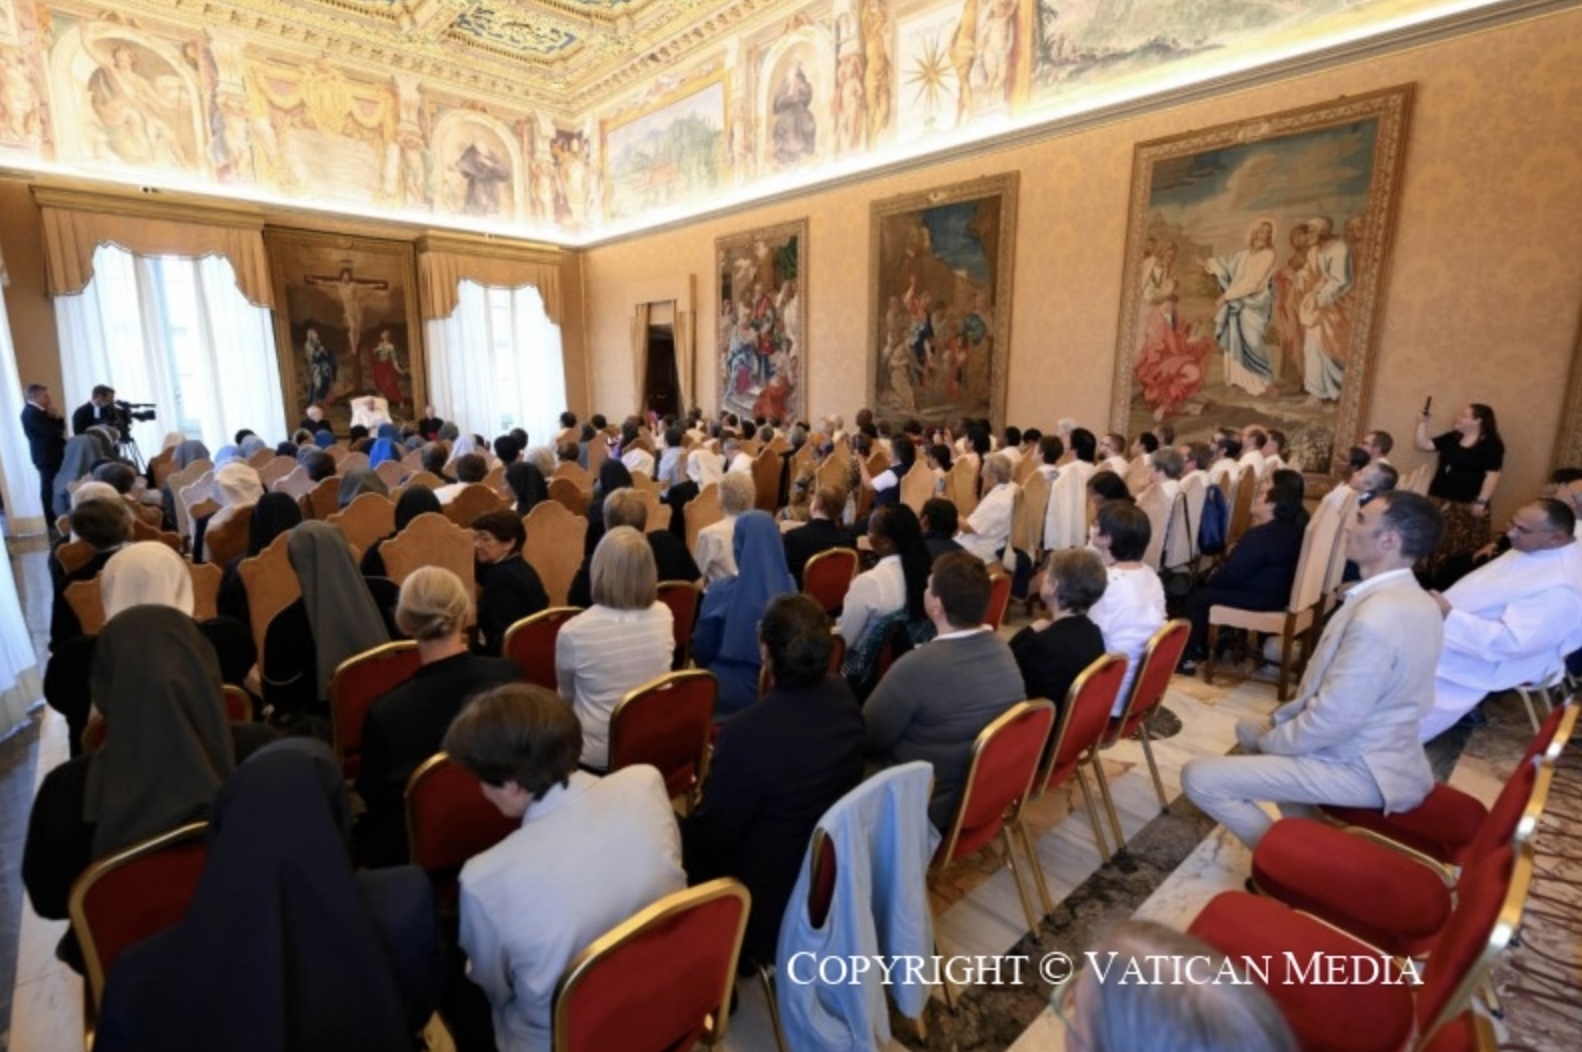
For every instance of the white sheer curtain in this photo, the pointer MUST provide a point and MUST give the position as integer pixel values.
(175, 332)
(18, 477)
(496, 363)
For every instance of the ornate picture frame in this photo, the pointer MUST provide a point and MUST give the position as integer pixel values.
(347, 323)
(940, 288)
(761, 280)
(1257, 254)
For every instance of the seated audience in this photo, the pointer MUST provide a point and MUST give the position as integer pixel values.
(672, 461)
(889, 594)
(336, 618)
(358, 481)
(591, 852)
(1259, 571)
(435, 459)
(622, 641)
(1052, 651)
(470, 468)
(105, 525)
(633, 455)
(725, 640)
(1514, 619)
(335, 959)
(672, 561)
(713, 549)
(934, 700)
(1350, 737)
(777, 768)
(527, 484)
(937, 457)
(404, 727)
(613, 477)
(988, 528)
(940, 524)
(1133, 606)
(509, 588)
(167, 750)
(886, 485)
(1227, 453)
(1105, 1013)
(414, 501)
(822, 531)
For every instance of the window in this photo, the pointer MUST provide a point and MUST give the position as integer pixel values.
(496, 363)
(175, 332)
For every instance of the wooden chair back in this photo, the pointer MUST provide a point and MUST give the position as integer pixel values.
(206, 578)
(366, 519)
(555, 539)
(575, 473)
(189, 497)
(160, 467)
(766, 481)
(531, 644)
(424, 478)
(917, 486)
(271, 585)
(351, 462)
(338, 453)
(86, 598)
(473, 500)
(260, 458)
(73, 555)
(658, 512)
(703, 510)
(391, 473)
(1027, 529)
(276, 469)
(323, 500)
(294, 483)
(567, 493)
(643, 482)
(495, 480)
(413, 461)
(142, 531)
(961, 486)
(832, 472)
(430, 540)
(225, 542)
(1241, 505)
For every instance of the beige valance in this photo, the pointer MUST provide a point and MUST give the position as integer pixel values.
(444, 263)
(75, 225)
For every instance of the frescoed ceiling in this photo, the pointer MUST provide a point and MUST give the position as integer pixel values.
(574, 121)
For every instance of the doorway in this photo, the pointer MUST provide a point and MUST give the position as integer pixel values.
(662, 384)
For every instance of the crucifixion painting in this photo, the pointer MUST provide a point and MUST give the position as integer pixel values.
(351, 291)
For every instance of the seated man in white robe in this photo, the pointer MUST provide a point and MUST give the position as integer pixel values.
(371, 412)
(1512, 620)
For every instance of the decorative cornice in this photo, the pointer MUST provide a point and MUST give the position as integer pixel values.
(150, 204)
(483, 245)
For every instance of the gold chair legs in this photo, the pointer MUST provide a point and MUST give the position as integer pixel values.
(1109, 804)
(1153, 767)
(766, 979)
(1021, 883)
(1093, 814)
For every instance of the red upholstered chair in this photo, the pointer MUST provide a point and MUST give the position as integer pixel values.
(659, 982)
(360, 681)
(668, 723)
(1383, 895)
(128, 896)
(1005, 760)
(999, 598)
(683, 598)
(827, 577)
(448, 821)
(1084, 719)
(238, 704)
(531, 644)
(1160, 658)
(1366, 1014)
(1444, 824)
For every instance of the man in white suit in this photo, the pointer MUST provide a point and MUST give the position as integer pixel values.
(1350, 736)
(1514, 619)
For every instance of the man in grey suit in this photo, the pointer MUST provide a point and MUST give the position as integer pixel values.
(1350, 736)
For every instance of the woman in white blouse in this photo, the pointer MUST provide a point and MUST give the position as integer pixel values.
(622, 641)
(892, 590)
(1133, 606)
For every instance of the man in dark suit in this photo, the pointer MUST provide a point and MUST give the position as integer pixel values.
(99, 409)
(822, 532)
(46, 439)
(779, 765)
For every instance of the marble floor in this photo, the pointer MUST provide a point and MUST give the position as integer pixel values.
(1175, 861)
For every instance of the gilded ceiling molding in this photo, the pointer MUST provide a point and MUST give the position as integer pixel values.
(158, 204)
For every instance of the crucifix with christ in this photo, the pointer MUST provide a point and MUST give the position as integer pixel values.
(350, 291)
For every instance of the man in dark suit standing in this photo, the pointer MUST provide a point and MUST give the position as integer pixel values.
(99, 409)
(822, 532)
(46, 440)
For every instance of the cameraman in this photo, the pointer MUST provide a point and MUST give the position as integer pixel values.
(99, 410)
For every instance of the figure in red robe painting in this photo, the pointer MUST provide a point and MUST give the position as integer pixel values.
(1170, 359)
(387, 371)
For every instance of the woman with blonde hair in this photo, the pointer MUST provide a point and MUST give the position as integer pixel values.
(405, 726)
(622, 641)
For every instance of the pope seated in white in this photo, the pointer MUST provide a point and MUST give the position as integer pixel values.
(371, 412)
(1512, 620)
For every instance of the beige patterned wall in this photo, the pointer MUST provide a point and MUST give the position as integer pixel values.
(1481, 304)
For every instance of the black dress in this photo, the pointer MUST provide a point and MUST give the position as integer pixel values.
(510, 590)
(1052, 660)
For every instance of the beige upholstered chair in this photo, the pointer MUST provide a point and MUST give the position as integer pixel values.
(555, 539)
